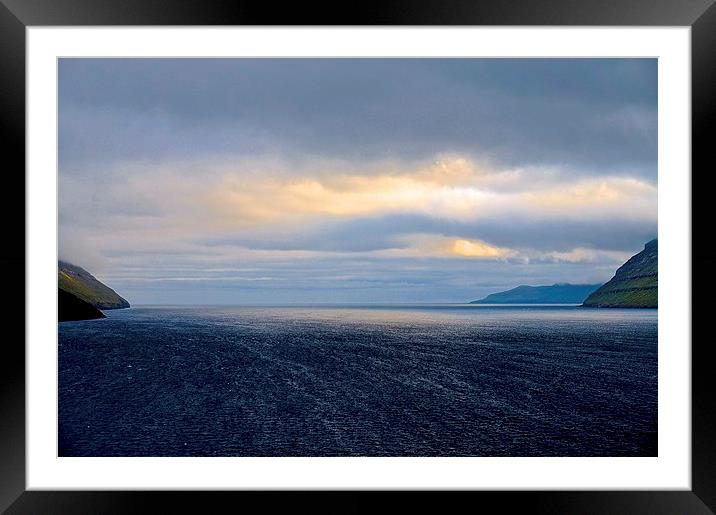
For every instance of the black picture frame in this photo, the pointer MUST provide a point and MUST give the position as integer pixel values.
(16, 15)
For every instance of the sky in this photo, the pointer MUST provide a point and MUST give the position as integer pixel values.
(289, 181)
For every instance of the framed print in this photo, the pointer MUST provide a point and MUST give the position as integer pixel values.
(413, 252)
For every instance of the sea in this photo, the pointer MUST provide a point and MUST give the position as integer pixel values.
(392, 380)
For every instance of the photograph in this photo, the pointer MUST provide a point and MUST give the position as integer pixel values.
(357, 257)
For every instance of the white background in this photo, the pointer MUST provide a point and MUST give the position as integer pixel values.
(670, 470)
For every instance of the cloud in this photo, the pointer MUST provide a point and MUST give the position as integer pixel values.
(361, 210)
(373, 179)
(227, 200)
(584, 255)
(440, 246)
(583, 113)
(452, 189)
(478, 249)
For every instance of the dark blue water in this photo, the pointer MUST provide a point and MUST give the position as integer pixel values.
(391, 381)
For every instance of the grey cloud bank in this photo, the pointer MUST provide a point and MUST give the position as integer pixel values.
(578, 113)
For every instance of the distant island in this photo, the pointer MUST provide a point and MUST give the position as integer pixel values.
(634, 285)
(560, 293)
(81, 296)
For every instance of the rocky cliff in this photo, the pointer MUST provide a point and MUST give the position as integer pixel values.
(634, 285)
(83, 285)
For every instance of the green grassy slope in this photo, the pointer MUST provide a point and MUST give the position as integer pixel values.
(634, 285)
(82, 284)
